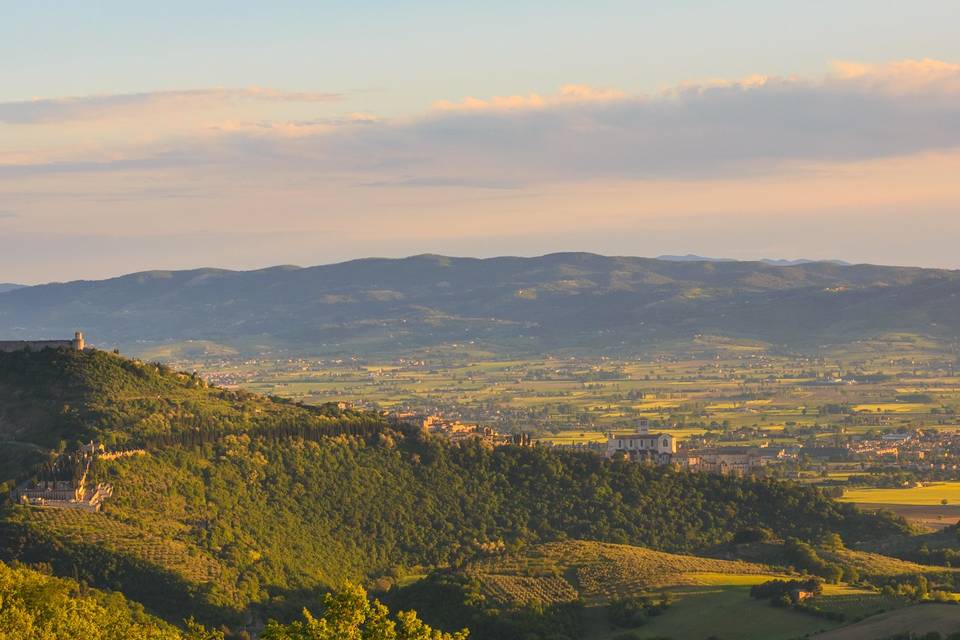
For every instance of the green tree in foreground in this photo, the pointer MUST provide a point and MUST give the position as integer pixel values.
(349, 615)
(35, 606)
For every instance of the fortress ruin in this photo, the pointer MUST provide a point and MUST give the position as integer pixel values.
(77, 344)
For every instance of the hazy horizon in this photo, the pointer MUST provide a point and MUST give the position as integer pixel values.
(134, 138)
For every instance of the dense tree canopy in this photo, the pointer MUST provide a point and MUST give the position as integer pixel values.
(34, 606)
(348, 614)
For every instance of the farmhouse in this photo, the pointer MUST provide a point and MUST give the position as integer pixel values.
(77, 344)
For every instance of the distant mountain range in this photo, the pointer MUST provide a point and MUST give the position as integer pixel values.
(9, 286)
(513, 304)
(690, 257)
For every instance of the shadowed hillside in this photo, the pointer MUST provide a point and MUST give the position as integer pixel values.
(554, 301)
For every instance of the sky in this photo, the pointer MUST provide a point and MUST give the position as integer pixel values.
(138, 136)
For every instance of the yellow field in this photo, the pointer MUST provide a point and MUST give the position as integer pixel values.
(929, 494)
(893, 407)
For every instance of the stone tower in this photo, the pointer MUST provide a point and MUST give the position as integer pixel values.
(78, 343)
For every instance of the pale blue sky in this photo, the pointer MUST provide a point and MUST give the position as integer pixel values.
(138, 135)
(414, 53)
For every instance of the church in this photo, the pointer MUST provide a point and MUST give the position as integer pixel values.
(654, 447)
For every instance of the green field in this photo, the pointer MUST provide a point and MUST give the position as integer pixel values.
(730, 612)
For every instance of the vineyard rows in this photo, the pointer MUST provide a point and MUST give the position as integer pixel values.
(97, 529)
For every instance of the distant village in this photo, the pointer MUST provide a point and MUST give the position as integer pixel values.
(921, 450)
(638, 446)
(458, 432)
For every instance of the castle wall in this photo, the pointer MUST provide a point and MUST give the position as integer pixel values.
(77, 344)
(35, 345)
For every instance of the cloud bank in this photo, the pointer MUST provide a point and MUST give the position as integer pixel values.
(96, 107)
(854, 158)
(759, 124)
(693, 130)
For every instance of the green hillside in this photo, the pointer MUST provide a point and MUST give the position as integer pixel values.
(243, 507)
(596, 572)
(557, 301)
(53, 396)
(35, 606)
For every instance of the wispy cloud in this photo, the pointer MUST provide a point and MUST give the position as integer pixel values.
(50, 110)
(715, 129)
(568, 94)
(443, 183)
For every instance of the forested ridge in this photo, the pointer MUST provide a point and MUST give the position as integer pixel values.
(259, 516)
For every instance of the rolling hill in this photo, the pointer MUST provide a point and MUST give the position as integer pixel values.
(555, 301)
(597, 572)
(243, 506)
(574, 585)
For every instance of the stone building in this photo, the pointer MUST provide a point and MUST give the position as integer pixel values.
(731, 461)
(64, 494)
(77, 344)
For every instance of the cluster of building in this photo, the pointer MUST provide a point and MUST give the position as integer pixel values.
(65, 494)
(926, 449)
(665, 449)
(921, 450)
(457, 432)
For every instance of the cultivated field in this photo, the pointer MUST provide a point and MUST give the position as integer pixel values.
(726, 387)
(98, 530)
(934, 493)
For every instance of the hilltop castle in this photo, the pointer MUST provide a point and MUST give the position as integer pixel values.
(77, 344)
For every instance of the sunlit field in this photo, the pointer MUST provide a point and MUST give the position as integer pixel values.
(929, 494)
